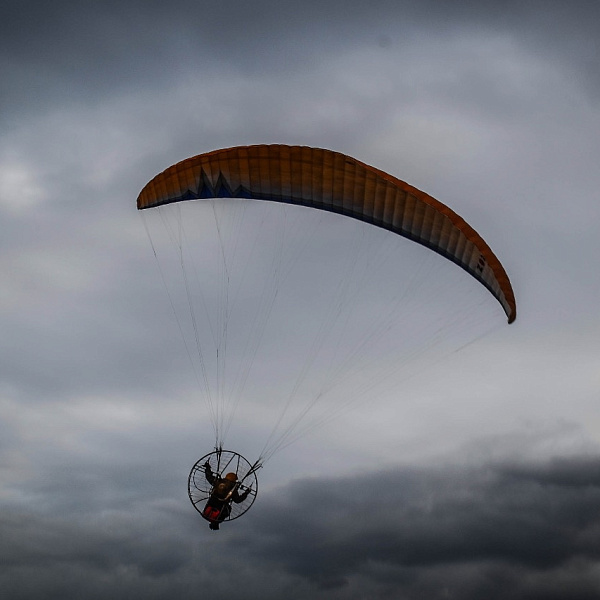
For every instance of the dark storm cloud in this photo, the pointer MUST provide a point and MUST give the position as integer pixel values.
(507, 522)
(71, 556)
(492, 529)
(99, 406)
(81, 51)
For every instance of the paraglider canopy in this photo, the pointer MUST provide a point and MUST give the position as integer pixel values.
(334, 182)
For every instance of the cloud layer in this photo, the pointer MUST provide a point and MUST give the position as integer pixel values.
(490, 107)
(490, 526)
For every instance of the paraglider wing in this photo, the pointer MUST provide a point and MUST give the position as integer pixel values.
(334, 182)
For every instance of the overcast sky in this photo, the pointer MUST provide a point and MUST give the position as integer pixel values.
(479, 480)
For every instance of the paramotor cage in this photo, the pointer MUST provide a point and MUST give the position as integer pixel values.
(222, 462)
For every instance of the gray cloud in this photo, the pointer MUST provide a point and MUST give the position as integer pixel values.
(422, 519)
(492, 107)
(453, 530)
(69, 52)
